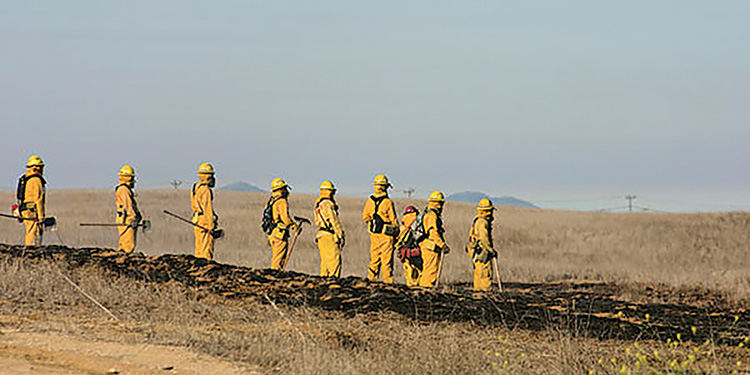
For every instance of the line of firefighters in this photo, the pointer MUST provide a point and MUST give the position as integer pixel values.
(418, 239)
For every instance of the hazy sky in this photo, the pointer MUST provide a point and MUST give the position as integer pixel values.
(545, 100)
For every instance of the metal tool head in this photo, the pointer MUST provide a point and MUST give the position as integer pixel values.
(217, 234)
(49, 222)
(146, 225)
(302, 220)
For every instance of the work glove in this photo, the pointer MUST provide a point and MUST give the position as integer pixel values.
(341, 241)
(446, 249)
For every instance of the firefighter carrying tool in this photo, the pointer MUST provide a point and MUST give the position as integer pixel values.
(277, 223)
(480, 247)
(330, 236)
(204, 218)
(379, 214)
(433, 245)
(128, 214)
(31, 194)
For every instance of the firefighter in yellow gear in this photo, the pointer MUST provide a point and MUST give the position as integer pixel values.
(412, 263)
(283, 225)
(480, 247)
(433, 247)
(31, 194)
(202, 203)
(330, 236)
(380, 216)
(127, 209)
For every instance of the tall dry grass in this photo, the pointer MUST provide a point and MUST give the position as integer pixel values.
(535, 245)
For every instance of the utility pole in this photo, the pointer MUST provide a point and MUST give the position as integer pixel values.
(630, 198)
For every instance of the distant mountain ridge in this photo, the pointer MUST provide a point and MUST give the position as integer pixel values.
(242, 186)
(475, 196)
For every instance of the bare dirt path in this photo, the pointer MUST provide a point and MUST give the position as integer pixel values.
(56, 354)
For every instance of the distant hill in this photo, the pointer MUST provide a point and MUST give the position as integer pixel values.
(242, 186)
(475, 196)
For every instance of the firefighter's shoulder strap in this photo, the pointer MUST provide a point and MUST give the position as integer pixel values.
(21, 189)
(438, 220)
(197, 186)
(327, 226)
(127, 186)
(377, 201)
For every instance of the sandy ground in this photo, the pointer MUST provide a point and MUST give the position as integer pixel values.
(55, 354)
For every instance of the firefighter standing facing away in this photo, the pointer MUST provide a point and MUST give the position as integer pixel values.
(330, 236)
(408, 250)
(283, 224)
(479, 247)
(31, 196)
(202, 203)
(127, 209)
(433, 247)
(380, 216)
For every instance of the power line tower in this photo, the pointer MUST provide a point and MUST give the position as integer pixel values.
(630, 198)
(409, 191)
(176, 184)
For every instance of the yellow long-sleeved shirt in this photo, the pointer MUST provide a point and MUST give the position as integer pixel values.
(327, 216)
(35, 194)
(127, 207)
(434, 229)
(480, 235)
(202, 203)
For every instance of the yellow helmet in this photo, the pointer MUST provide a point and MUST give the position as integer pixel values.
(206, 168)
(35, 161)
(381, 180)
(437, 196)
(327, 185)
(277, 184)
(127, 171)
(485, 204)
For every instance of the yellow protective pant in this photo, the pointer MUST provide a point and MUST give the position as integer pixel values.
(127, 238)
(430, 265)
(482, 276)
(381, 258)
(411, 273)
(33, 232)
(330, 255)
(279, 248)
(204, 244)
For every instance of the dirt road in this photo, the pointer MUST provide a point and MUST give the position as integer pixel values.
(55, 354)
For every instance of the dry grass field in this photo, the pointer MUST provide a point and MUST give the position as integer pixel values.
(535, 245)
(42, 317)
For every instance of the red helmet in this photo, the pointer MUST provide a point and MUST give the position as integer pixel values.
(410, 209)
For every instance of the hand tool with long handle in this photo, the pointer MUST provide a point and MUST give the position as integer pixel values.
(46, 222)
(497, 274)
(145, 225)
(440, 268)
(216, 233)
(300, 221)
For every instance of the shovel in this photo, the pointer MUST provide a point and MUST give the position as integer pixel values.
(300, 221)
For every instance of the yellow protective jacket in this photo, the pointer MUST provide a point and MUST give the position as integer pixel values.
(34, 195)
(127, 208)
(433, 227)
(386, 209)
(202, 203)
(327, 218)
(281, 218)
(480, 237)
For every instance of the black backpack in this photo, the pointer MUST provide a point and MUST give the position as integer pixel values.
(267, 224)
(377, 224)
(21, 189)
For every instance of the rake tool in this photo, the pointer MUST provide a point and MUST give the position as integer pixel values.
(497, 272)
(300, 221)
(145, 225)
(216, 233)
(46, 222)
